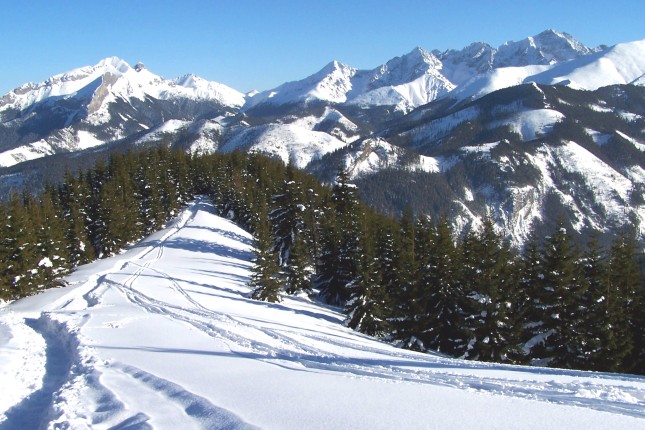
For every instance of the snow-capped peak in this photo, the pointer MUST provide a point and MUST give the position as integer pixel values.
(331, 84)
(404, 69)
(548, 47)
(113, 62)
(114, 76)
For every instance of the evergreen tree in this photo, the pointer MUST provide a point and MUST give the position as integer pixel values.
(6, 240)
(489, 284)
(296, 274)
(410, 303)
(341, 247)
(51, 241)
(529, 305)
(563, 286)
(265, 278)
(367, 305)
(440, 326)
(21, 251)
(288, 229)
(622, 305)
(74, 196)
(599, 341)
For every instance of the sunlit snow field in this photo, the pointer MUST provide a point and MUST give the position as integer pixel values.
(164, 336)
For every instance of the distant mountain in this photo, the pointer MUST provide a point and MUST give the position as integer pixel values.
(621, 64)
(93, 105)
(526, 132)
(548, 47)
(403, 82)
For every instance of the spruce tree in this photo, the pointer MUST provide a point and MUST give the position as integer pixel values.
(74, 196)
(599, 351)
(489, 283)
(623, 305)
(440, 326)
(529, 305)
(563, 286)
(288, 229)
(265, 278)
(367, 305)
(341, 248)
(51, 241)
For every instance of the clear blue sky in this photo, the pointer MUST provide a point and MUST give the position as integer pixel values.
(259, 44)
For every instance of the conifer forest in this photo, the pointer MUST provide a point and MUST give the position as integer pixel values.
(408, 281)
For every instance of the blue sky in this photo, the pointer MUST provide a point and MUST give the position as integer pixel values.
(259, 44)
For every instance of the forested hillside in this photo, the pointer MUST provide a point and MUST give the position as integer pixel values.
(408, 281)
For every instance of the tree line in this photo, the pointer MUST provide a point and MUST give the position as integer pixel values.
(408, 281)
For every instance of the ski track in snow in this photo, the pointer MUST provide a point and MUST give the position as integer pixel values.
(72, 369)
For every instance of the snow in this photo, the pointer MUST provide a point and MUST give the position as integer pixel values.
(403, 82)
(640, 146)
(440, 127)
(599, 139)
(621, 64)
(27, 152)
(483, 149)
(331, 83)
(168, 127)
(531, 124)
(87, 140)
(611, 189)
(113, 77)
(164, 336)
(375, 154)
(74, 140)
(289, 142)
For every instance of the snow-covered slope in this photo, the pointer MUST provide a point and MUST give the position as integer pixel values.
(165, 337)
(420, 77)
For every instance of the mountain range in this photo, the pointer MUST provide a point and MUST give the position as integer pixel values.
(527, 133)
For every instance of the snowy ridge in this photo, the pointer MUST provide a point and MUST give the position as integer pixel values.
(113, 77)
(331, 83)
(621, 64)
(223, 355)
(404, 82)
(93, 105)
(420, 77)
